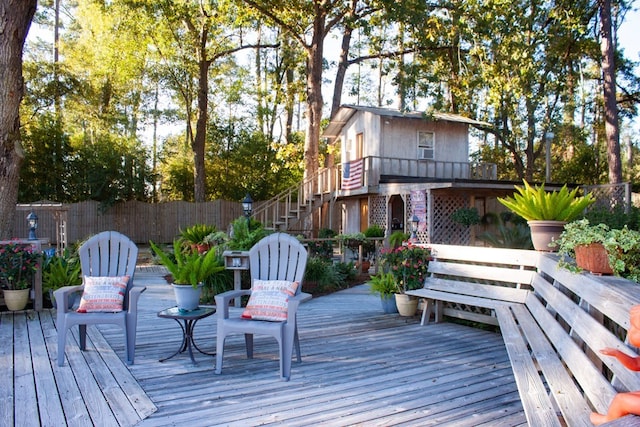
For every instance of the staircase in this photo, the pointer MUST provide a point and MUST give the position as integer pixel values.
(288, 210)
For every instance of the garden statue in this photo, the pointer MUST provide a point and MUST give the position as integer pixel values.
(624, 403)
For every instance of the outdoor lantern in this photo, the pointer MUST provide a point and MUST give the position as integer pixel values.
(247, 205)
(414, 228)
(32, 222)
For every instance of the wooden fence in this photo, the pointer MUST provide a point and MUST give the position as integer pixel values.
(141, 221)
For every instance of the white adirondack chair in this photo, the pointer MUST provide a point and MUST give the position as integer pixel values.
(108, 253)
(278, 256)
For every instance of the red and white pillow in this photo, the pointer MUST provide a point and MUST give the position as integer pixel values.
(269, 300)
(103, 294)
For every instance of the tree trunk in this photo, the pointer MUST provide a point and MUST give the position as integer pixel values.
(609, 88)
(15, 19)
(314, 100)
(199, 188)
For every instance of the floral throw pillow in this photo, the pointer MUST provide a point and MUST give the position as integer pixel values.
(103, 294)
(269, 300)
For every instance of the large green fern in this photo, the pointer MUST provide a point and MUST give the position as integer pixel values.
(188, 268)
(535, 203)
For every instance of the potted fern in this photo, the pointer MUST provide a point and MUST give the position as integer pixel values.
(546, 212)
(188, 269)
(384, 284)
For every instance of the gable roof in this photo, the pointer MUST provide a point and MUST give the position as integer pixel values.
(345, 112)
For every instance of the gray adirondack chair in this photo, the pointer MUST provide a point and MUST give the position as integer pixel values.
(108, 253)
(278, 256)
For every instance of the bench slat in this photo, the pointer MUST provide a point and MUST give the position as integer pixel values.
(596, 387)
(435, 297)
(500, 293)
(593, 334)
(484, 272)
(537, 404)
(485, 255)
(562, 388)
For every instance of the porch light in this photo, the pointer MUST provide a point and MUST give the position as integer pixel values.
(414, 228)
(32, 223)
(247, 206)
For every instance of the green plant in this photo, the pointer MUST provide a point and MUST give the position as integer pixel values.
(186, 267)
(321, 272)
(508, 234)
(196, 233)
(408, 264)
(535, 203)
(383, 283)
(18, 264)
(466, 216)
(323, 248)
(369, 247)
(397, 238)
(622, 246)
(61, 270)
(243, 237)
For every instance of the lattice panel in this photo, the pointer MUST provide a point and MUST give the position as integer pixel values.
(378, 211)
(468, 308)
(444, 229)
(609, 196)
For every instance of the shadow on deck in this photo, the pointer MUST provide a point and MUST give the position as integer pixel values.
(360, 367)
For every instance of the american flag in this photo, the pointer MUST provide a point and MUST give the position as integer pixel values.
(352, 175)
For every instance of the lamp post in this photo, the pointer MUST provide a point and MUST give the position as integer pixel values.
(414, 228)
(548, 137)
(247, 208)
(32, 222)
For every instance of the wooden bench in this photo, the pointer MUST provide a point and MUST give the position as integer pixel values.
(553, 322)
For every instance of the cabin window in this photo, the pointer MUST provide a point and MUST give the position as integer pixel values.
(426, 144)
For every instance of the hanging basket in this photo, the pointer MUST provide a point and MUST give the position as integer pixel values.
(593, 258)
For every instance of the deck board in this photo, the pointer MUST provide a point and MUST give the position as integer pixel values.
(360, 367)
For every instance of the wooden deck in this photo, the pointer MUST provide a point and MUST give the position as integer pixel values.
(360, 367)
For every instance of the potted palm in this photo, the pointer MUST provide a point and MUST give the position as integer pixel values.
(188, 270)
(546, 212)
(18, 264)
(384, 284)
(409, 266)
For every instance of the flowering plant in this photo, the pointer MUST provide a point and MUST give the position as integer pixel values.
(408, 264)
(18, 264)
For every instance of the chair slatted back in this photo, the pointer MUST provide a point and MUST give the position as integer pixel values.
(279, 256)
(109, 253)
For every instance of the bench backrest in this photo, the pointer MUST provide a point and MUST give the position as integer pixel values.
(581, 314)
(492, 273)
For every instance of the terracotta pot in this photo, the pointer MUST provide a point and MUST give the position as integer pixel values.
(593, 258)
(16, 299)
(545, 232)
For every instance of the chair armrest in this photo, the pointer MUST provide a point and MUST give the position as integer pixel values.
(293, 304)
(223, 300)
(62, 296)
(134, 295)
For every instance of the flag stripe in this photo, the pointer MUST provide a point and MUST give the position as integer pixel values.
(352, 175)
